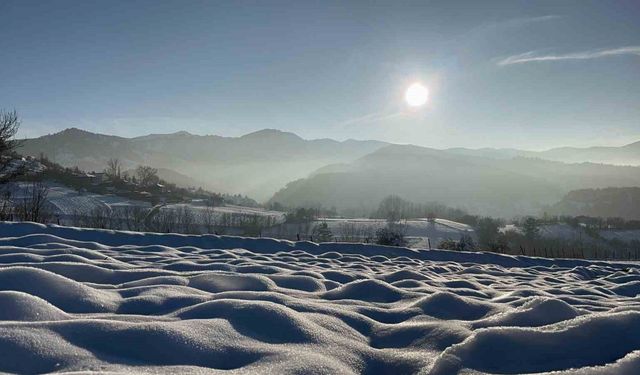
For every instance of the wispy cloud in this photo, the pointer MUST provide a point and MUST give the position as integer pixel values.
(372, 117)
(511, 23)
(522, 21)
(534, 56)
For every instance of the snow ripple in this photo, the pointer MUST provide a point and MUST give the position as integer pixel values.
(90, 300)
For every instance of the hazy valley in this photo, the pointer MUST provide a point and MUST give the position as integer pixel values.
(353, 176)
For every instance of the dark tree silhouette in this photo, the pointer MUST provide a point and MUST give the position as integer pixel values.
(114, 169)
(9, 125)
(147, 176)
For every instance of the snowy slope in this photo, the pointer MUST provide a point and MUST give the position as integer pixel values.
(199, 211)
(68, 202)
(90, 300)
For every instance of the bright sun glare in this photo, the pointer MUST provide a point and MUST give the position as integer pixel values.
(416, 95)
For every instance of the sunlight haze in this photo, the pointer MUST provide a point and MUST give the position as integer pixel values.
(531, 75)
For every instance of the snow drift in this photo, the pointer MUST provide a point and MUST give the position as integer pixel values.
(91, 300)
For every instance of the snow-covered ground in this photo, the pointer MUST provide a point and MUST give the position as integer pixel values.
(67, 202)
(420, 232)
(90, 300)
(199, 211)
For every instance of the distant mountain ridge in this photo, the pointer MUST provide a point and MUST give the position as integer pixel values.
(482, 185)
(351, 173)
(621, 202)
(623, 155)
(256, 164)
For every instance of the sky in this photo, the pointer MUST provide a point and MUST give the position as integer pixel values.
(520, 74)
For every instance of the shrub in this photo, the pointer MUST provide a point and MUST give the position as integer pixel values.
(464, 244)
(322, 233)
(390, 236)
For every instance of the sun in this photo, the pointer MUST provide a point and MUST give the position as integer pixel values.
(416, 95)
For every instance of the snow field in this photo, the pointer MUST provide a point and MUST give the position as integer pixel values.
(92, 300)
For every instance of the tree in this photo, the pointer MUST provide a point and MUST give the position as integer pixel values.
(114, 169)
(209, 217)
(9, 125)
(301, 215)
(252, 225)
(147, 176)
(349, 232)
(392, 208)
(322, 233)
(487, 231)
(185, 220)
(33, 207)
(133, 217)
(448, 244)
(531, 228)
(464, 244)
(391, 235)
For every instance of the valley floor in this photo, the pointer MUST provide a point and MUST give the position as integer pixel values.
(91, 300)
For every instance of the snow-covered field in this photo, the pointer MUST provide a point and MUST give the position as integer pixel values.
(417, 231)
(199, 211)
(89, 300)
(67, 202)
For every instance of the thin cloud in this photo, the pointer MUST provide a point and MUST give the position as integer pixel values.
(371, 118)
(533, 56)
(512, 23)
(516, 22)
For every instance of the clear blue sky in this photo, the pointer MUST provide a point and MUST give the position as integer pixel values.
(526, 74)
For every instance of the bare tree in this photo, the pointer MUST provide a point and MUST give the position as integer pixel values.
(9, 125)
(6, 207)
(101, 217)
(147, 176)
(392, 208)
(133, 217)
(209, 218)
(164, 220)
(114, 169)
(77, 218)
(348, 232)
(33, 206)
(185, 220)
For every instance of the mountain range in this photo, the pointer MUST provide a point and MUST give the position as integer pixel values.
(482, 185)
(283, 167)
(623, 155)
(607, 203)
(256, 164)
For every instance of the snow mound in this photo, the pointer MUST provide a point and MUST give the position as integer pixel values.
(66, 294)
(447, 305)
(81, 300)
(534, 313)
(592, 341)
(367, 290)
(25, 307)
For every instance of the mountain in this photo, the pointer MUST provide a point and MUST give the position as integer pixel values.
(624, 155)
(352, 173)
(482, 185)
(610, 202)
(256, 164)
